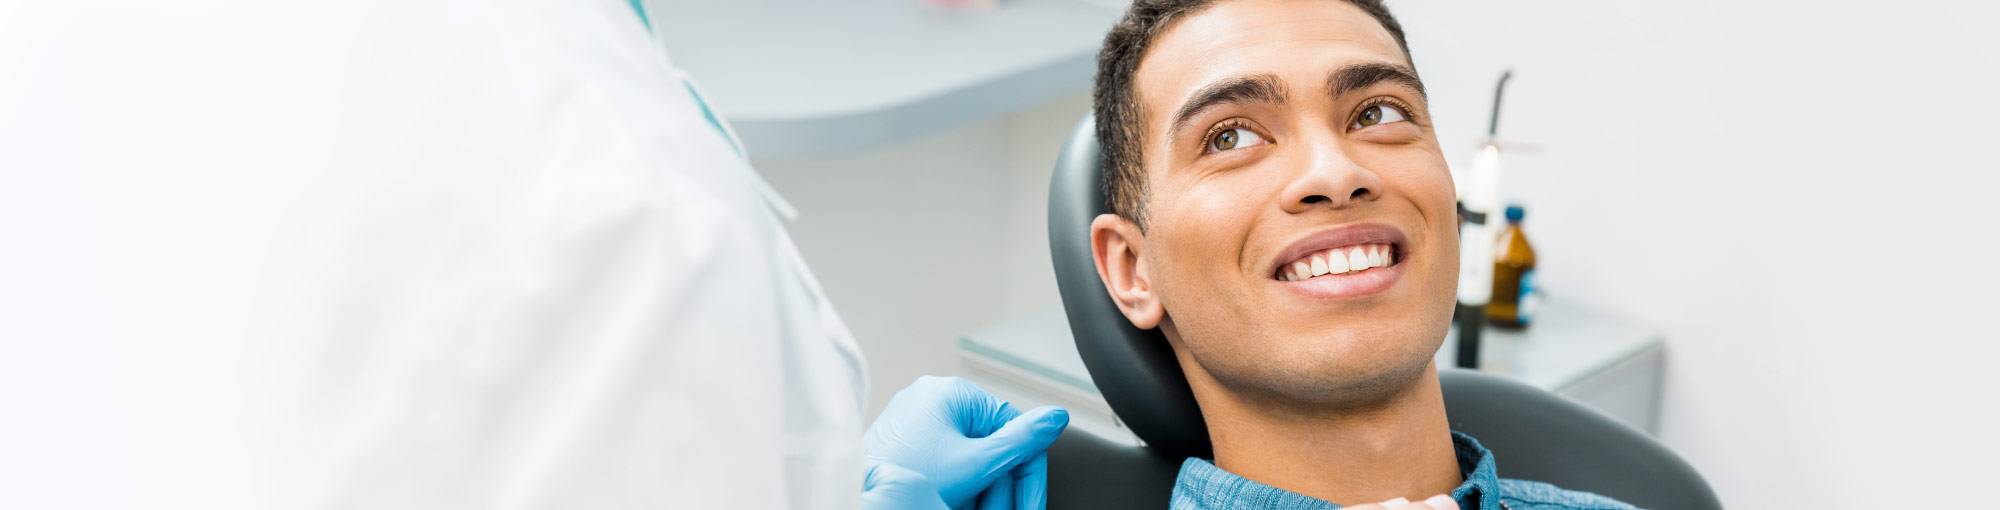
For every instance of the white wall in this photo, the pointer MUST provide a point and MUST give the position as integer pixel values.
(925, 241)
(1797, 192)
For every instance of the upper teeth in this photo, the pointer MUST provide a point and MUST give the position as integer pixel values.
(1342, 260)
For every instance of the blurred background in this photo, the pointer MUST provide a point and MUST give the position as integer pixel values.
(1787, 196)
(1762, 228)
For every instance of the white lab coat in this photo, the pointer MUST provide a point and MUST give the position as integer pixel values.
(572, 292)
(452, 255)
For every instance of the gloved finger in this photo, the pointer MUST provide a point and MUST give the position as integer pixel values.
(986, 425)
(892, 487)
(1031, 484)
(1023, 438)
(998, 496)
(928, 410)
(977, 413)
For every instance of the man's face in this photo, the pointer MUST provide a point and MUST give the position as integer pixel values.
(1277, 133)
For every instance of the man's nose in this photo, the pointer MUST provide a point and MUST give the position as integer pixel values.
(1330, 179)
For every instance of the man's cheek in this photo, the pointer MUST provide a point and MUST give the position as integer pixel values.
(1202, 206)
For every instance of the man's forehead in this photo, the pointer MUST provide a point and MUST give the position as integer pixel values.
(1292, 39)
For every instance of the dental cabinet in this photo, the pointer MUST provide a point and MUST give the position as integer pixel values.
(804, 78)
(1609, 363)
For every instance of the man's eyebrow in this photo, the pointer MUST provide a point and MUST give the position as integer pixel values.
(1363, 75)
(1261, 88)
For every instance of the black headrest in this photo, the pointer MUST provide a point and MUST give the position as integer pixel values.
(1134, 369)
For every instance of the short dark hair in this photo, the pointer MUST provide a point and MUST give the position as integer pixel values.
(1120, 128)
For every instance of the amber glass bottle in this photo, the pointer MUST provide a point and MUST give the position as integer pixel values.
(1514, 297)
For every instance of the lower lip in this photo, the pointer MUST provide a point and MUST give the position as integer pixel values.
(1371, 281)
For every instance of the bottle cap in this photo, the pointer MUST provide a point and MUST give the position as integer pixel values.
(1514, 213)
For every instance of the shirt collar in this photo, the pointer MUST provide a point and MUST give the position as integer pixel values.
(1207, 486)
(1481, 490)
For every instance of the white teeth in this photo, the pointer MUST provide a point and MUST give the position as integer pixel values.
(1352, 259)
(1336, 264)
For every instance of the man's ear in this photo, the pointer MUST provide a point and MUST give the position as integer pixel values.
(1116, 243)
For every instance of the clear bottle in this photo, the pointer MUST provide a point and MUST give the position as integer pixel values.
(1514, 298)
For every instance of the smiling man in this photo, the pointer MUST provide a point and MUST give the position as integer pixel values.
(1283, 214)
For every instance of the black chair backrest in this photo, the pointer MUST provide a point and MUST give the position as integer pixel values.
(1134, 368)
(1534, 435)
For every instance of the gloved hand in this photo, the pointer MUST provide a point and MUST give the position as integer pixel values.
(967, 443)
(893, 487)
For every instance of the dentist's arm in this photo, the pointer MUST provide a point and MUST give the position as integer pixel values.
(975, 450)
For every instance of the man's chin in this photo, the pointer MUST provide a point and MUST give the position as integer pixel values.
(1329, 385)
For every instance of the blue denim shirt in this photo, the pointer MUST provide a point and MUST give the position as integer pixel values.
(1202, 486)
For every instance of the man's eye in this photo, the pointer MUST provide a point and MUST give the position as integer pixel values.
(1234, 138)
(1378, 114)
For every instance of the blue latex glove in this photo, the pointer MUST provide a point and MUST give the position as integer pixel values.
(890, 486)
(970, 445)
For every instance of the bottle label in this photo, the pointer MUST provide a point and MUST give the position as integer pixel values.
(1475, 264)
(1528, 300)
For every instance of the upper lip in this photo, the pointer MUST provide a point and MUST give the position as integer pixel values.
(1346, 235)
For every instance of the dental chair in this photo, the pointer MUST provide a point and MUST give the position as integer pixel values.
(1533, 434)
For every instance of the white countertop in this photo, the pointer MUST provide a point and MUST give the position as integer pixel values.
(817, 76)
(1566, 344)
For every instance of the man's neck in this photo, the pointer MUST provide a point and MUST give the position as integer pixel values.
(1402, 448)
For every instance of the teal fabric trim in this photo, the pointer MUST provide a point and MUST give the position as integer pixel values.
(706, 113)
(641, 11)
(710, 115)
